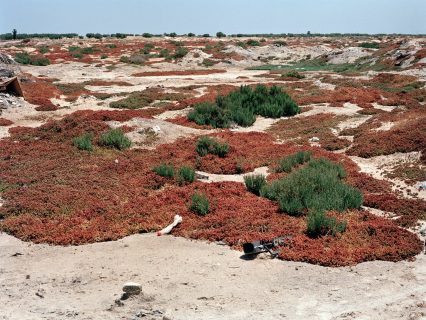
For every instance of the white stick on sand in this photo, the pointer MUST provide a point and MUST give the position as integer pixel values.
(168, 229)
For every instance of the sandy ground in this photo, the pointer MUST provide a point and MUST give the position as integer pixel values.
(186, 279)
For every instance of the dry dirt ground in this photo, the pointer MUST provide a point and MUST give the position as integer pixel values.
(183, 279)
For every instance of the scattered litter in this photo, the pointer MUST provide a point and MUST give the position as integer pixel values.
(156, 129)
(422, 185)
(200, 176)
(256, 247)
(314, 139)
(168, 229)
(132, 288)
(16, 254)
(11, 85)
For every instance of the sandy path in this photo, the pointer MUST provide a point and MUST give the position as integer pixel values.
(198, 281)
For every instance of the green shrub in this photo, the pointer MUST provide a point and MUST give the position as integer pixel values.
(253, 43)
(206, 145)
(148, 48)
(77, 55)
(84, 142)
(254, 183)
(369, 45)
(88, 50)
(186, 175)
(164, 53)
(294, 74)
(318, 224)
(288, 163)
(115, 138)
(242, 106)
(318, 185)
(208, 63)
(207, 113)
(104, 56)
(180, 52)
(43, 49)
(73, 48)
(200, 204)
(111, 46)
(220, 34)
(147, 35)
(25, 58)
(165, 170)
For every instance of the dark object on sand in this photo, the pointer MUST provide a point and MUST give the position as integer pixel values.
(256, 247)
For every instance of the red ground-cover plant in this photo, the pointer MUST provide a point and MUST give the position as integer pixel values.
(183, 121)
(5, 122)
(406, 136)
(177, 73)
(39, 92)
(408, 211)
(58, 194)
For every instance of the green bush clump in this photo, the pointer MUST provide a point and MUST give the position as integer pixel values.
(111, 46)
(43, 49)
(254, 183)
(185, 175)
(87, 50)
(294, 74)
(242, 106)
(318, 185)
(115, 138)
(73, 48)
(369, 45)
(84, 142)
(200, 204)
(318, 224)
(252, 43)
(180, 52)
(165, 170)
(25, 58)
(206, 145)
(288, 163)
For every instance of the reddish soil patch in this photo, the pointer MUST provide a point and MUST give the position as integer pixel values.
(177, 73)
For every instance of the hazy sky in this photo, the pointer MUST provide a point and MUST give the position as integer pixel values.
(201, 16)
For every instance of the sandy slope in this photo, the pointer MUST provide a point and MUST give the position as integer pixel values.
(197, 280)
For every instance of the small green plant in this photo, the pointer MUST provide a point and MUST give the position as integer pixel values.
(77, 55)
(73, 48)
(200, 204)
(111, 46)
(288, 163)
(220, 34)
(318, 225)
(369, 45)
(165, 170)
(318, 185)
(164, 53)
(43, 49)
(208, 63)
(253, 43)
(104, 56)
(115, 138)
(185, 175)
(206, 145)
(294, 74)
(180, 52)
(84, 142)
(87, 50)
(25, 58)
(147, 48)
(254, 183)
